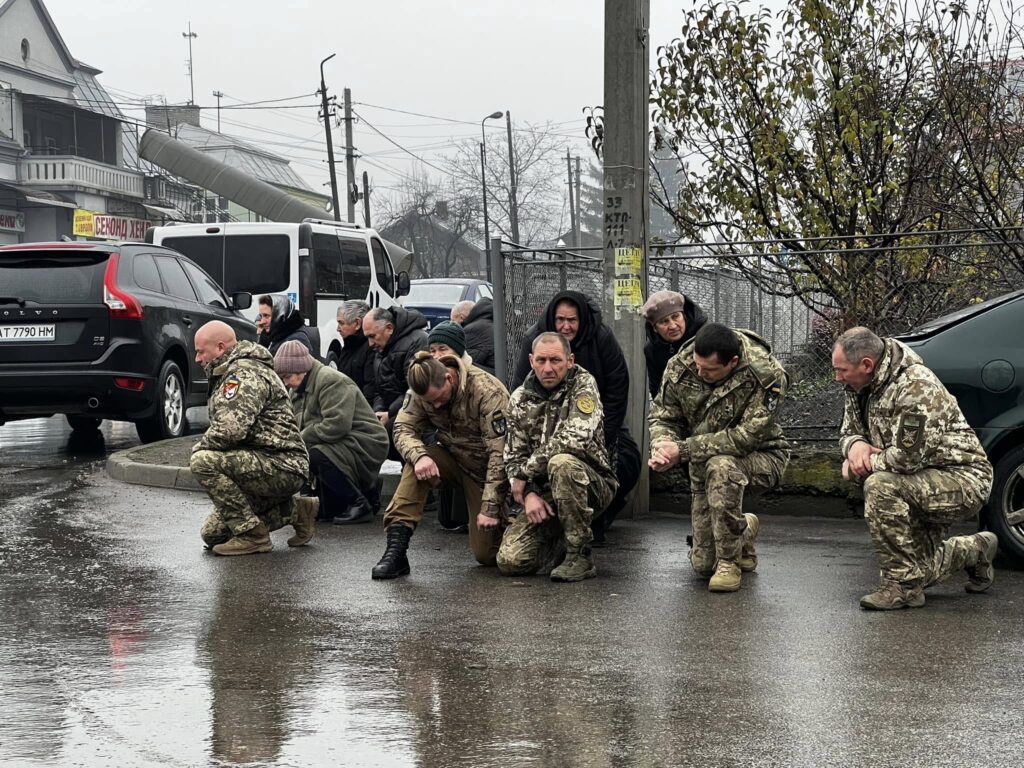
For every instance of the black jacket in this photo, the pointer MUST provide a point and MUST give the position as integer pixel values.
(658, 352)
(479, 329)
(408, 338)
(358, 361)
(596, 349)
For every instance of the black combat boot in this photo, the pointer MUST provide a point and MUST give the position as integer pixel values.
(394, 563)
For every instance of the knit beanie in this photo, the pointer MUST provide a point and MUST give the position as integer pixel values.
(661, 304)
(451, 334)
(292, 357)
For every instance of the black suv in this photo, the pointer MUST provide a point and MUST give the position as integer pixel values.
(106, 331)
(978, 355)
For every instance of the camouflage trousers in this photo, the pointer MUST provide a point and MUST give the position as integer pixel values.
(909, 517)
(246, 489)
(716, 511)
(575, 491)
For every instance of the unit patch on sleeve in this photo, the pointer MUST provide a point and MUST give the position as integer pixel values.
(586, 404)
(910, 433)
(772, 396)
(231, 386)
(498, 424)
(408, 399)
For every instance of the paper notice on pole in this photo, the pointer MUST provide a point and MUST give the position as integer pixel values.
(628, 261)
(627, 292)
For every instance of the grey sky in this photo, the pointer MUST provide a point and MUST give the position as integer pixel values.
(540, 59)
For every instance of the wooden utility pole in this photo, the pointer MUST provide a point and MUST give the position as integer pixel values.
(626, 104)
(572, 203)
(352, 187)
(327, 112)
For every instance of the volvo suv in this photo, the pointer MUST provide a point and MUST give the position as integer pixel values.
(106, 331)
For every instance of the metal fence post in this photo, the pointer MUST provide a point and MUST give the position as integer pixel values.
(500, 326)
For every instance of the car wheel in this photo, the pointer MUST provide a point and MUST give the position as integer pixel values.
(332, 359)
(81, 423)
(1004, 514)
(169, 419)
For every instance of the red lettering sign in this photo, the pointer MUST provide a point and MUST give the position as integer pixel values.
(120, 227)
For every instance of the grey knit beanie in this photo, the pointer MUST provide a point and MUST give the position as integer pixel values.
(292, 357)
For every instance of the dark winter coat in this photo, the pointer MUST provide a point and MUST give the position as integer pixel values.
(334, 417)
(479, 329)
(286, 324)
(358, 361)
(408, 338)
(595, 349)
(658, 352)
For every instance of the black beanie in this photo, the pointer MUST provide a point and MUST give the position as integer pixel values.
(450, 334)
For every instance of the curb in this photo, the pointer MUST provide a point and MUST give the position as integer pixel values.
(121, 466)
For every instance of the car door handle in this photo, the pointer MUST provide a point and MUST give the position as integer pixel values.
(186, 320)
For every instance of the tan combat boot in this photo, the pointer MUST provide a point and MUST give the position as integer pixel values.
(981, 573)
(575, 567)
(252, 542)
(892, 596)
(748, 555)
(727, 577)
(304, 511)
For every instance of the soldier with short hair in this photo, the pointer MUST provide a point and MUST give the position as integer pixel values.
(251, 460)
(557, 464)
(717, 410)
(922, 467)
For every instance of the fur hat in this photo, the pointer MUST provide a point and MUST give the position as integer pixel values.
(450, 334)
(661, 304)
(292, 357)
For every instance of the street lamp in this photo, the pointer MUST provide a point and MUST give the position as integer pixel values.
(483, 178)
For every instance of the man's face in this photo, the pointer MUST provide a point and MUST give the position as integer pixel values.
(854, 375)
(439, 397)
(207, 350)
(550, 364)
(348, 329)
(440, 350)
(293, 380)
(671, 328)
(263, 318)
(711, 369)
(377, 334)
(567, 319)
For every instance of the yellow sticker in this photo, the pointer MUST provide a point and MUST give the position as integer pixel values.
(585, 404)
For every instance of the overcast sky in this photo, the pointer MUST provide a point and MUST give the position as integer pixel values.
(540, 59)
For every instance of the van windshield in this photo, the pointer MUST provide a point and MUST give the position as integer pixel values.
(253, 263)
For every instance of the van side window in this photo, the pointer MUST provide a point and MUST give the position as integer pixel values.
(177, 284)
(208, 291)
(385, 272)
(257, 263)
(330, 278)
(355, 265)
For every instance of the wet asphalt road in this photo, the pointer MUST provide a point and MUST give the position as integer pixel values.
(122, 643)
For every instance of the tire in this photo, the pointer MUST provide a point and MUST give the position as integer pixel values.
(1008, 498)
(80, 423)
(169, 419)
(332, 359)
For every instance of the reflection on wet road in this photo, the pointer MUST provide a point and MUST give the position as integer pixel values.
(123, 644)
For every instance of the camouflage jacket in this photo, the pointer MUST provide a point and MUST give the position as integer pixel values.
(471, 428)
(734, 417)
(908, 413)
(568, 419)
(250, 410)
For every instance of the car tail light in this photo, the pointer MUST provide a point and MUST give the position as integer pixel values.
(122, 305)
(130, 382)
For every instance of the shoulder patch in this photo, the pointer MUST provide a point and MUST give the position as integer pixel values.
(586, 404)
(910, 433)
(498, 424)
(231, 386)
(407, 401)
(772, 396)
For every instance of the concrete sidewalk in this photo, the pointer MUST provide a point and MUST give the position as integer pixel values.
(812, 485)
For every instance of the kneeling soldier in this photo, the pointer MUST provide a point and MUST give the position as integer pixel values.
(468, 408)
(557, 463)
(716, 409)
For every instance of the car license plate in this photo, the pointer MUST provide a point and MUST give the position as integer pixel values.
(17, 333)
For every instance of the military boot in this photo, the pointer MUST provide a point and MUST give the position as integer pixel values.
(251, 542)
(304, 515)
(727, 577)
(748, 555)
(576, 566)
(893, 595)
(981, 572)
(394, 562)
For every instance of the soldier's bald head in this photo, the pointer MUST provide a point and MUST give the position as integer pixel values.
(213, 341)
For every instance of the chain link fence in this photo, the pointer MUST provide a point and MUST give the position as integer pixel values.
(796, 294)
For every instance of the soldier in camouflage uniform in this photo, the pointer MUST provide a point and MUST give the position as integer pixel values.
(468, 409)
(251, 460)
(717, 410)
(922, 467)
(556, 460)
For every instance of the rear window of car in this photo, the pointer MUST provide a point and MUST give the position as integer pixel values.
(253, 263)
(433, 293)
(52, 277)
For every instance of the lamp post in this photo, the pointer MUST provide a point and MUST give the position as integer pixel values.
(483, 178)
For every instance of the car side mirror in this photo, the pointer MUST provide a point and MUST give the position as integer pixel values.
(403, 284)
(241, 300)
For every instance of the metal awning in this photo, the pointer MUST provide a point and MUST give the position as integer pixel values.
(38, 196)
(166, 213)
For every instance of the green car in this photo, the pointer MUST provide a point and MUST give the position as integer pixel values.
(978, 355)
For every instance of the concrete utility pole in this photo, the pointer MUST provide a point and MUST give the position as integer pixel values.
(579, 207)
(366, 198)
(626, 97)
(327, 113)
(191, 83)
(218, 94)
(513, 202)
(350, 160)
(572, 202)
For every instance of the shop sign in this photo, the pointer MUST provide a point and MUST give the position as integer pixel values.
(12, 221)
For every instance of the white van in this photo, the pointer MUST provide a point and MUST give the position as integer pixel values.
(317, 264)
